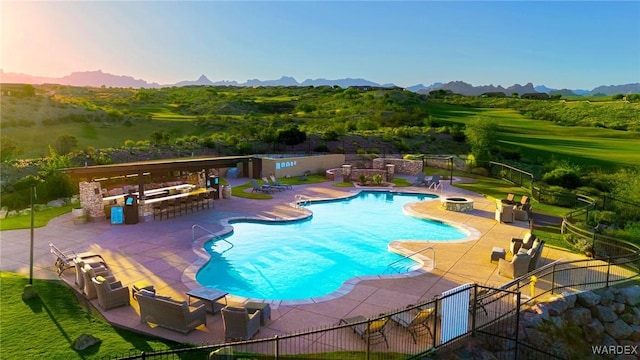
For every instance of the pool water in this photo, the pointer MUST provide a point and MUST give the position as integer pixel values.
(311, 258)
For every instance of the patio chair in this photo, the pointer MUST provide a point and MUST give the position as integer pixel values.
(239, 323)
(526, 242)
(89, 272)
(259, 188)
(420, 180)
(523, 201)
(275, 182)
(79, 262)
(517, 267)
(511, 198)
(110, 294)
(415, 323)
(535, 252)
(368, 330)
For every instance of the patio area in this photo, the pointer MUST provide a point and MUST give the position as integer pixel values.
(164, 254)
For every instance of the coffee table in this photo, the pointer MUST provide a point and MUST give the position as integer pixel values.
(209, 297)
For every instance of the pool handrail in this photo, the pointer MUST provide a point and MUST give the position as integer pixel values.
(216, 236)
(415, 253)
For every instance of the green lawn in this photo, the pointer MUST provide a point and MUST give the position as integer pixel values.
(537, 139)
(45, 327)
(40, 218)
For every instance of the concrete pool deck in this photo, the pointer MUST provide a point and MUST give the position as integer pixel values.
(163, 253)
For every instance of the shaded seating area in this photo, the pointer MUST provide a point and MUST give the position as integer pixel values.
(239, 323)
(416, 323)
(172, 314)
(372, 331)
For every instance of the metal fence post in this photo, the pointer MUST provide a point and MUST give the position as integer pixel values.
(368, 339)
(276, 345)
(517, 323)
(474, 307)
(608, 271)
(553, 279)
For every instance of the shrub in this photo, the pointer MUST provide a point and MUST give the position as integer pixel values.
(481, 171)
(567, 178)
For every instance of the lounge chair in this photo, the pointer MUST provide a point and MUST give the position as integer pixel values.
(111, 294)
(64, 259)
(275, 182)
(414, 323)
(260, 188)
(517, 267)
(420, 180)
(270, 185)
(368, 330)
(239, 323)
(434, 182)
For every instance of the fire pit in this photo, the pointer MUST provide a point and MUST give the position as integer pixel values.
(459, 204)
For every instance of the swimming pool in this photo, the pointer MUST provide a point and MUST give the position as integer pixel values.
(314, 257)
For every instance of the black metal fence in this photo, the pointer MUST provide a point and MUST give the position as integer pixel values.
(471, 311)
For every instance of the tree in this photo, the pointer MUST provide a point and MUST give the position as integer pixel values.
(65, 144)
(481, 135)
(291, 135)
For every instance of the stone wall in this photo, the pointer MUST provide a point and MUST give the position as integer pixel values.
(571, 326)
(91, 200)
(350, 173)
(408, 167)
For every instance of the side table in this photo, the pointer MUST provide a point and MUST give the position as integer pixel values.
(209, 297)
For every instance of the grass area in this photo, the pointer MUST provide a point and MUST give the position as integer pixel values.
(40, 218)
(401, 182)
(343, 184)
(587, 146)
(46, 326)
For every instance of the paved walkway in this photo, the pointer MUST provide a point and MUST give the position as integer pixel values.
(163, 253)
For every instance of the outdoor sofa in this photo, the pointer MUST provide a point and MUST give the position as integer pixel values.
(170, 314)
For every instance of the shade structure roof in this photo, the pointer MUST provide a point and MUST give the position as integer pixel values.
(151, 166)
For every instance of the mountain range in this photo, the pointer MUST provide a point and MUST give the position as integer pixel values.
(98, 78)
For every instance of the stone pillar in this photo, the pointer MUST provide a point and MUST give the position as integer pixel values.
(389, 172)
(346, 173)
(91, 199)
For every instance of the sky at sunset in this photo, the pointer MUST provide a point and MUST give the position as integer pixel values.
(577, 45)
